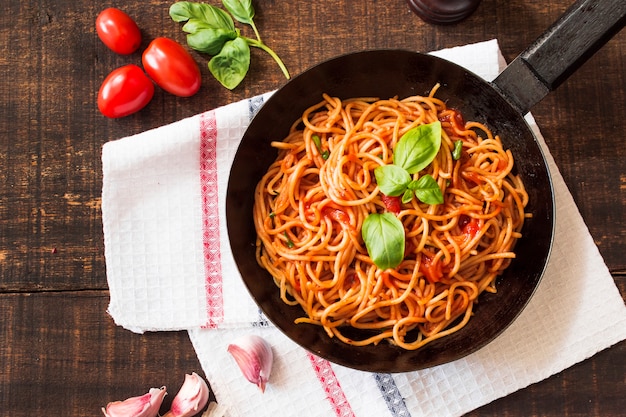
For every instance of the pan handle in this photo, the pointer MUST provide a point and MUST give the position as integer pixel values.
(582, 30)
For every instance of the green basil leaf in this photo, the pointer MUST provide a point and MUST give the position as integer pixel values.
(427, 190)
(317, 141)
(458, 148)
(205, 39)
(318, 144)
(208, 27)
(212, 16)
(383, 234)
(418, 147)
(242, 10)
(392, 180)
(290, 243)
(181, 11)
(407, 196)
(231, 65)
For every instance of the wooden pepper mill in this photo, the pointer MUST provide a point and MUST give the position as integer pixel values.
(443, 11)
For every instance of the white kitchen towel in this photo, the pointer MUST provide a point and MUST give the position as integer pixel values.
(169, 267)
(168, 259)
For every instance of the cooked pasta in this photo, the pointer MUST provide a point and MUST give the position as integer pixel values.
(312, 202)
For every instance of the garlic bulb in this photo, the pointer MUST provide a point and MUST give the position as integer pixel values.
(254, 357)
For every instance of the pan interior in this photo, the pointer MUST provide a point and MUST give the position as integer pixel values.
(385, 74)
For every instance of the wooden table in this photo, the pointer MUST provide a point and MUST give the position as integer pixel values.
(60, 352)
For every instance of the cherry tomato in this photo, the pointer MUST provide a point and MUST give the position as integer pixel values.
(392, 204)
(469, 226)
(337, 215)
(118, 31)
(125, 91)
(172, 67)
(432, 270)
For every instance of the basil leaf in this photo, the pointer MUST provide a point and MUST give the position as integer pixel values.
(231, 65)
(318, 144)
(290, 243)
(206, 39)
(427, 190)
(212, 16)
(418, 147)
(383, 235)
(458, 148)
(208, 27)
(407, 196)
(392, 180)
(241, 10)
(181, 11)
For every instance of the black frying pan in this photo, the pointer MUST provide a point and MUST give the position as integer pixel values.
(583, 29)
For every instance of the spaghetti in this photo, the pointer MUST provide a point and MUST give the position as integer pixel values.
(310, 206)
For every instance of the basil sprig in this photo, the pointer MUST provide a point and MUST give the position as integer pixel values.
(211, 30)
(415, 150)
(383, 234)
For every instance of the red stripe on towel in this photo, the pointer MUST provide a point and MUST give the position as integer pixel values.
(210, 219)
(331, 386)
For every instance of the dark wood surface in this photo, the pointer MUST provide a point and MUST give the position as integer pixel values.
(61, 354)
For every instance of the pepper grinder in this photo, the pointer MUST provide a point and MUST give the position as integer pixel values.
(443, 11)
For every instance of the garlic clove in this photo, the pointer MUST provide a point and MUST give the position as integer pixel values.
(146, 405)
(254, 357)
(192, 397)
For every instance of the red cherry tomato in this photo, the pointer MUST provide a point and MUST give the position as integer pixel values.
(124, 91)
(432, 270)
(172, 67)
(392, 204)
(118, 31)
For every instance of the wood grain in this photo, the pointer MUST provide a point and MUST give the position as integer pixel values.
(60, 352)
(66, 357)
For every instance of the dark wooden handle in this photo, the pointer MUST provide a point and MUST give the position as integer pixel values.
(582, 30)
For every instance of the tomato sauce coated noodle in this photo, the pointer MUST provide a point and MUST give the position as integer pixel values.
(310, 206)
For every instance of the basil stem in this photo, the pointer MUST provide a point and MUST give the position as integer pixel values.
(261, 45)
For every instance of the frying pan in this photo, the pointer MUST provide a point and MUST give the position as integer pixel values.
(501, 105)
